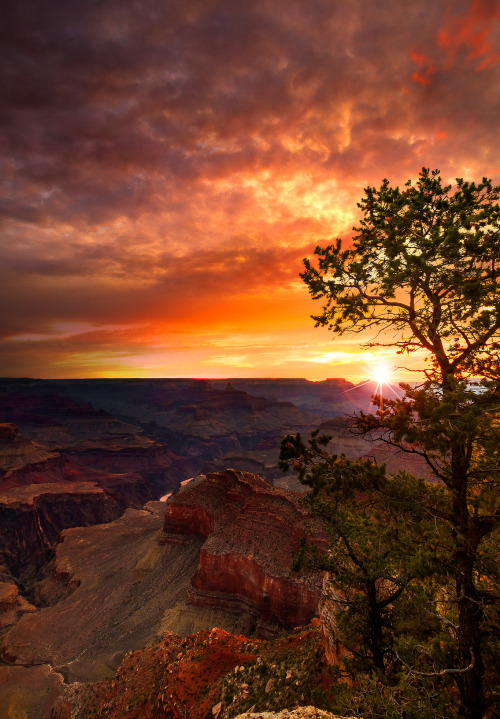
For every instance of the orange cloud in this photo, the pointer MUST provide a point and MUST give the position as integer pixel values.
(470, 33)
(427, 68)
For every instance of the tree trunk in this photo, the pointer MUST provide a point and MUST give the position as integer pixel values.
(375, 634)
(470, 615)
(470, 612)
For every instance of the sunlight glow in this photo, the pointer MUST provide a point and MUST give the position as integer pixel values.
(381, 374)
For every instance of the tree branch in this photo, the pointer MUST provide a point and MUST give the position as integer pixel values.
(442, 673)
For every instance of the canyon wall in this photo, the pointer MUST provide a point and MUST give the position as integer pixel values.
(31, 518)
(252, 530)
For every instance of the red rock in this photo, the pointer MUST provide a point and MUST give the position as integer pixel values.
(154, 683)
(113, 587)
(251, 530)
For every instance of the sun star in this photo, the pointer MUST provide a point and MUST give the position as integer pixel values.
(381, 374)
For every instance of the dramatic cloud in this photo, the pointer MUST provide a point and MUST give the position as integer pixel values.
(165, 166)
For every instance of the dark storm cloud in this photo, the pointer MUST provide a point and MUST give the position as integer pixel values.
(104, 98)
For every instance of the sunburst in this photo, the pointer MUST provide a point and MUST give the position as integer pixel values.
(381, 375)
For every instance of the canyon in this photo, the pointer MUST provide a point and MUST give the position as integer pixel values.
(93, 567)
(217, 553)
(85, 450)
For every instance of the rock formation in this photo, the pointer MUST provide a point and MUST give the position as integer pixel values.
(251, 530)
(17, 451)
(89, 469)
(301, 713)
(208, 674)
(104, 593)
(31, 518)
(12, 606)
(222, 557)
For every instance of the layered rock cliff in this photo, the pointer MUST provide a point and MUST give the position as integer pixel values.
(17, 451)
(252, 530)
(218, 553)
(90, 470)
(31, 518)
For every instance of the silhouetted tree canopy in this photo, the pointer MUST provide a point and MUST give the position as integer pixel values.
(423, 275)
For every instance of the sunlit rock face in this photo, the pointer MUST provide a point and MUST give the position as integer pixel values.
(208, 674)
(251, 531)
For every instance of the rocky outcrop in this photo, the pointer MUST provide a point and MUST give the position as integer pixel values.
(12, 606)
(300, 713)
(17, 451)
(222, 558)
(209, 674)
(31, 518)
(251, 531)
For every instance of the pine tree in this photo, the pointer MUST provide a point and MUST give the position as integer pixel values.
(423, 274)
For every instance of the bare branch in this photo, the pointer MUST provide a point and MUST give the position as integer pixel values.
(441, 673)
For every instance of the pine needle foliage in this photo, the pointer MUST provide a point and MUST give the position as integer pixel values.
(416, 562)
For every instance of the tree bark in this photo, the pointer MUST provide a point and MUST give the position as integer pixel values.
(376, 639)
(470, 612)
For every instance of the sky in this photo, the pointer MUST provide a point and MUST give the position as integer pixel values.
(167, 164)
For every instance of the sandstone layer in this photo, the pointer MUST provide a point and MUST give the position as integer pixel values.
(252, 530)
